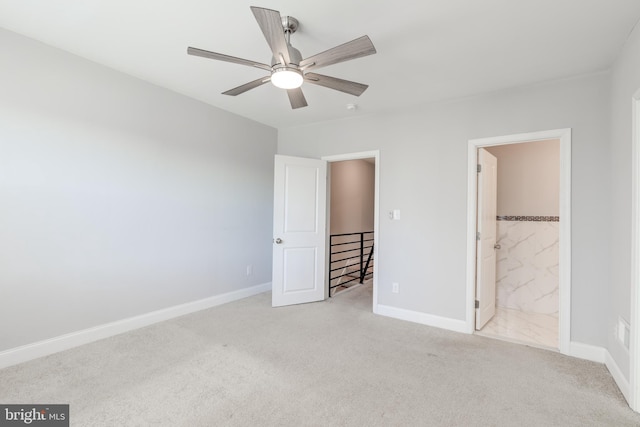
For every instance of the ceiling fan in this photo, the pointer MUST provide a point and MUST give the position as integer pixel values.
(288, 70)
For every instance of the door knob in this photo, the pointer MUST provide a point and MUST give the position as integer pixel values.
(278, 241)
(496, 246)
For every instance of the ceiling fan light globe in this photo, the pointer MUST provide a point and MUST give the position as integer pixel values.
(287, 78)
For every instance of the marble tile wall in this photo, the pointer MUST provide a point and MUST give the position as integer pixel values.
(527, 266)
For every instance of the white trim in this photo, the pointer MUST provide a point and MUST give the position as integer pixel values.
(634, 336)
(352, 156)
(601, 355)
(422, 318)
(64, 342)
(376, 207)
(587, 352)
(472, 215)
(564, 135)
(617, 375)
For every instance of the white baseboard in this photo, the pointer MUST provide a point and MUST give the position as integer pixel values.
(602, 355)
(576, 349)
(64, 342)
(587, 352)
(422, 318)
(618, 376)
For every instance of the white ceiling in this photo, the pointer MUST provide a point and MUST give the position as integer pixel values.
(428, 50)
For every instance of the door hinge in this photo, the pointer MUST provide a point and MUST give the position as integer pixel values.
(477, 304)
(477, 235)
(479, 168)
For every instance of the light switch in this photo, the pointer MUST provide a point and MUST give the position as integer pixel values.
(396, 214)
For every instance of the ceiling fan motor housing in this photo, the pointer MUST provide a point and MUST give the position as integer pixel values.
(294, 56)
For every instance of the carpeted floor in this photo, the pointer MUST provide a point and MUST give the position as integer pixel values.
(325, 364)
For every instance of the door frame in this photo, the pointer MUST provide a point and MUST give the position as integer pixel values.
(564, 135)
(376, 211)
(634, 336)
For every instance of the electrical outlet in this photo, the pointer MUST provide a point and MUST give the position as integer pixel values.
(623, 332)
(249, 270)
(395, 288)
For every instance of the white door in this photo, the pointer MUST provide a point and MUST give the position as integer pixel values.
(486, 251)
(300, 197)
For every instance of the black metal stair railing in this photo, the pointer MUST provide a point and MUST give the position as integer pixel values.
(350, 259)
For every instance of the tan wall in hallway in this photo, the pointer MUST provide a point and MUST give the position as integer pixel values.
(352, 196)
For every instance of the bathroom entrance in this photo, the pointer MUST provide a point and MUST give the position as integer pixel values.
(521, 274)
(526, 248)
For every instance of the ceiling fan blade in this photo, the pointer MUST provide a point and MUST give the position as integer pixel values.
(213, 55)
(247, 86)
(345, 86)
(271, 25)
(351, 50)
(296, 97)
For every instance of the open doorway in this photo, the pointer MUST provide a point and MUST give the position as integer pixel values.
(516, 295)
(525, 252)
(352, 222)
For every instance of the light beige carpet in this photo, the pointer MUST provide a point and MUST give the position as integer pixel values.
(325, 364)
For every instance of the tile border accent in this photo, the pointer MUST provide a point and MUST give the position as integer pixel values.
(528, 218)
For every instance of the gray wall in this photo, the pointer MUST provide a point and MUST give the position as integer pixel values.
(423, 172)
(117, 197)
(625, 82)
(352, 196)
(528, 178)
